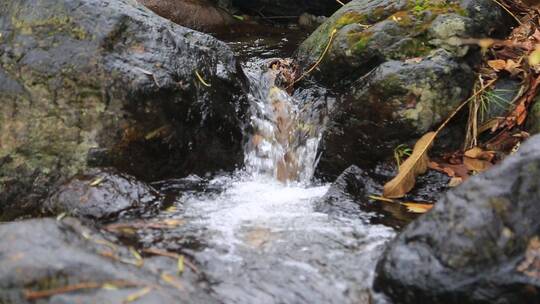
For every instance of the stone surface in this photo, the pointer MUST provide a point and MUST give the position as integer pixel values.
(395, 104)
(109, 83)
(196, 14)
(103, 194)
(401, 69)
(350, 195)
(47, 255)
(480, 243)
(369, 33)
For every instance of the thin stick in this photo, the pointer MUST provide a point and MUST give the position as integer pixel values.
(169, 254)
(508, 11)
(332, 36)
(338, 1)
(40, 294)
(480, 91)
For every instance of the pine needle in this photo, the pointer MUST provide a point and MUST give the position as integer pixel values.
(206, 84)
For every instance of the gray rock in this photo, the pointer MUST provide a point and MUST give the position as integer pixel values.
(393, 105)
(44, 255)
(479, 244)
(103, 195)
(372, 32)
(109, 83)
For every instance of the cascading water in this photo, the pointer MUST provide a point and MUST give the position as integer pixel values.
(257, 237)
(280, 144)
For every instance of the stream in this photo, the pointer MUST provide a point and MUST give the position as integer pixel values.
(257, 239)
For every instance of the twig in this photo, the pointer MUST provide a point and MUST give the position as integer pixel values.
(480, 91)
(332, 36)
(35, 295)
(155, 251)
(508, 11)
(338, 1)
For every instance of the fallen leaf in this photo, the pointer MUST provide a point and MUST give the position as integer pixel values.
(455, 181)
(479, 153)
(418, 207)
(415, 165)
(497, 65)
(180, 264)
(137, 295)
(476, 165)
(97, 181)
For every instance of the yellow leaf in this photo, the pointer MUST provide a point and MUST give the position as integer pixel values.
(418, 208)
(97, 181)
(455, 181)
(180, 264)
(497, 65)
(137, 295)
(477, 165)
(534, 57)
(415, 165)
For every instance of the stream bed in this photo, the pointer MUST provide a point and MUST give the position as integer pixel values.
(259, 240)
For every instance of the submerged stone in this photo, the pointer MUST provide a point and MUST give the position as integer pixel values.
(103, 195)
(479, 244)
(43, 259)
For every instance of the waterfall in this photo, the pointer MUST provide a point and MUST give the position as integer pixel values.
(283, 142)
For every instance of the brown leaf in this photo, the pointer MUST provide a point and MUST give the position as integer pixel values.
(415, 165)
(417, 207)
(479, 153)
(455, 181)
(497, 65)
(477, 165)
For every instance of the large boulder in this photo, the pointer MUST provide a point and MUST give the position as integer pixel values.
(271, 8)
(399, 67)
(369, 33)
(48, 261)
(109, 83)
(479, 244)
(395, 104)
(103, 194)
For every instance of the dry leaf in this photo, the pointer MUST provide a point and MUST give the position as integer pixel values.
(477, 165)
(497, 65)
(137, 295)
(417, 207)
(455, 181)
(415, 165)
(479, 153)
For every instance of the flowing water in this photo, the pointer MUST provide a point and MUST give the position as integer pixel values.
(258, 239)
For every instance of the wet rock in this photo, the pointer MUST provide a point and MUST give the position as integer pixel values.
(372, 32)
(109, 83)
(288, 8)
(196, 14)
(401, 68)
(103, 194)
(46, 255)
(533, 120)
(395, 104)
(479, 244)
(350, 195)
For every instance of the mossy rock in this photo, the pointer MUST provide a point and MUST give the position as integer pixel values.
(109, 83)
(393, 105)
(372, 32)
